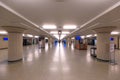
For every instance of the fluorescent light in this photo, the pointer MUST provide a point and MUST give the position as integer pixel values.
(89, 35)
(114, 32)
(54, 32)
(72, 38)
(3, 32)
(49, 26)
(23, 34)
(29, 35)
(62, 36)
(36, 36)
(65, 32)
(69, 27)
(82, 37)
(95, 34)
(46, 38)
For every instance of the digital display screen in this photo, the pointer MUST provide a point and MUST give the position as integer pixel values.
(78, 38)
(5, 39)
(111, 39)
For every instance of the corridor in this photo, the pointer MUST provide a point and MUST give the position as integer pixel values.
(56, 63)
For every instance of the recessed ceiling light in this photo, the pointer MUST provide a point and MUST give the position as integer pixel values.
(82, 37)
(65, 32)
(46, 37)
(29, 35)
(3, 32)
(73, 38)
(23, 34)
(49, 26)
(95, 34)
(114, 32)
(69, 27)
(36, 36)
(89, 35)
(54, 32)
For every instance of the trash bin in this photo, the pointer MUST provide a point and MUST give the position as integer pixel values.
(92, 51)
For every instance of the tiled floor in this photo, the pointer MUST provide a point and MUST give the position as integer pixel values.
(57, 63)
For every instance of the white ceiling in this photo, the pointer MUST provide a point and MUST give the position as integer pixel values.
(58, 12)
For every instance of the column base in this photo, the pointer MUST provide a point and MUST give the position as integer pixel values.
(15, 60)
(101, 60)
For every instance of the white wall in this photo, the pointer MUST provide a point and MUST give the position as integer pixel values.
(3, 44)
(116, 42)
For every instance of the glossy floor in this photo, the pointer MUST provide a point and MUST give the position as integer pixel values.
(57, 63)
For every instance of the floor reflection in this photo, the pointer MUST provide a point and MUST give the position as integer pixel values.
(59, 62)
(59, 59)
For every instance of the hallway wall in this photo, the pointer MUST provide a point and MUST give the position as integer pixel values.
(3, 44)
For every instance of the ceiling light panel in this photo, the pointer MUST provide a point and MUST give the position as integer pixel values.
(49, 26)
(89, 35)
(46, 37)
(29, 35)
(65, 32)
(95, 35)
(82, 37)
(3, 32)
(73, 38)
(69, 27)
(36, 36)
(54, 32)
(114, 32)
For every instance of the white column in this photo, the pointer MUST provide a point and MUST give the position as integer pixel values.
(69, 41)
(43, 42)
(15, 46)
(50, 41)
(15, 43)
(103, 42)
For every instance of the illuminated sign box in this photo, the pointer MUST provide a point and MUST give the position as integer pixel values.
(5, 38)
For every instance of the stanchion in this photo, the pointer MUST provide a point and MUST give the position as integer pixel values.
(112, 52)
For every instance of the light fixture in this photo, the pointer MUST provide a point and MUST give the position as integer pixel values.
(89, 35)
(3, 32)
(69, 27)
(82, 37)
(65, 32)
(114, 32)
(36, 36)
(95, 35)
(54, 32)
(49, 26)
(29, 35)
(46, 37)
(73, 38)
(23, 34)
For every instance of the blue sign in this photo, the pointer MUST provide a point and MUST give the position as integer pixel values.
(111, 39)
(5, 39)
(78, 38)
